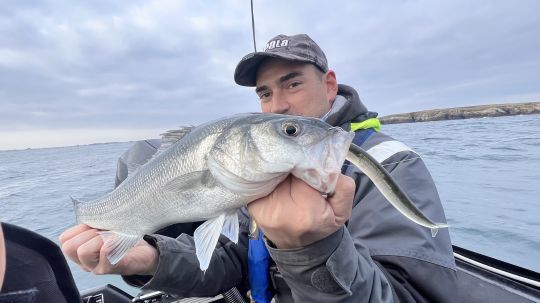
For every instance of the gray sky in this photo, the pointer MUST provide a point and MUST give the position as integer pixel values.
(101, 71)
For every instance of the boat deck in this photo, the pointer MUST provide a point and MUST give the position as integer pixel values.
(477, 284)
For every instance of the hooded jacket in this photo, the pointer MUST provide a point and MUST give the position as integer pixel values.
(379, 256)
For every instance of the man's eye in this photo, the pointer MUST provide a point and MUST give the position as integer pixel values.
(264, 96)
(294, 84)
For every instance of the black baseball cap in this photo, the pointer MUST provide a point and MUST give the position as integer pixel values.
(300, 48)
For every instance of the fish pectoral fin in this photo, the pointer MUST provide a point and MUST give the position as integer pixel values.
(117, 244)
(187, 182)
(231, 227)
(241, 186)
(206, 237)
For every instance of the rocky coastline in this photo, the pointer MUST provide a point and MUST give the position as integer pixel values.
(479, 111)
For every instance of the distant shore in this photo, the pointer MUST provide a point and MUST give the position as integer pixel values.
(479, 111)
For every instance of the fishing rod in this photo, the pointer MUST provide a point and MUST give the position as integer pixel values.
(253, 27)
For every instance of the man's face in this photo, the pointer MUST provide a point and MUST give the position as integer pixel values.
(295, 88)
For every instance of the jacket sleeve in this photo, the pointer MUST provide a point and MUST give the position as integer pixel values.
(332, 270)
(178, 269)
(380, 256)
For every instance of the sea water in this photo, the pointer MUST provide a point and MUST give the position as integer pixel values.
(487, 172)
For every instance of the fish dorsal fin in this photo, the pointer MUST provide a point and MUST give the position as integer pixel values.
(172, 136)
(168, 139)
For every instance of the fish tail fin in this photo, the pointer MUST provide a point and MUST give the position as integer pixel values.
(435, 229)
(76, 208)
(206, 236)
(117, 244)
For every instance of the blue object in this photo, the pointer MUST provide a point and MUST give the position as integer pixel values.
(258, 270)
(361, 136)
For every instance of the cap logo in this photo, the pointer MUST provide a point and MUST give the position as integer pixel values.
(275, 44)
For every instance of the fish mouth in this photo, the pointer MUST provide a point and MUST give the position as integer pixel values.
(324, 160)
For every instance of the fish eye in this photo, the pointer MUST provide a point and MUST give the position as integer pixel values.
(291, 129)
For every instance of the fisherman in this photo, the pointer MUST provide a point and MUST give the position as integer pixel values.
(349, 246)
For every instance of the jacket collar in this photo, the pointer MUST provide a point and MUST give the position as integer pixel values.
(347, 108)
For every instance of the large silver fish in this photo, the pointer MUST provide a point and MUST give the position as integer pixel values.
(212, 170)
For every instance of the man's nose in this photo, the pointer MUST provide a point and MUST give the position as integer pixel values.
(280, 104)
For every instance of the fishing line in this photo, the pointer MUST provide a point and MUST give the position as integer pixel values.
(253, 26)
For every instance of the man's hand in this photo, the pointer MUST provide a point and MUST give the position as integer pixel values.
(295, 215)
(84, 246)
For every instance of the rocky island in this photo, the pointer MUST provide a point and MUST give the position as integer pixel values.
(479, 111)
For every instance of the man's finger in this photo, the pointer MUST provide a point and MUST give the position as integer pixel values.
(71, 246)
(72, 232)
(341, 200)
(89, 252)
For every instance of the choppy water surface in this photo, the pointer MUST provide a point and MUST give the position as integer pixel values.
(35, 189)
(486, 170)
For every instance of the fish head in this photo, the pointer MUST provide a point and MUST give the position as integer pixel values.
(263, 149)
(324, 149)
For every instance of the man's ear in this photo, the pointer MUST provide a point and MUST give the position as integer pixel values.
(331, 85)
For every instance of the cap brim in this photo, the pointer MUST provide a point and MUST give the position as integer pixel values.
(245, 73)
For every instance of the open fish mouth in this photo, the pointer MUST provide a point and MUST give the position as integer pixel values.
(333, 148)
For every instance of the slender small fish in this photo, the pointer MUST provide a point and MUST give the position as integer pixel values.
(389, 188)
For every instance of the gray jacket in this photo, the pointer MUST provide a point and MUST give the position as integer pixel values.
(379, 256)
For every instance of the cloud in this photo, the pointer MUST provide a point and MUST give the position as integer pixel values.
(148, 65)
